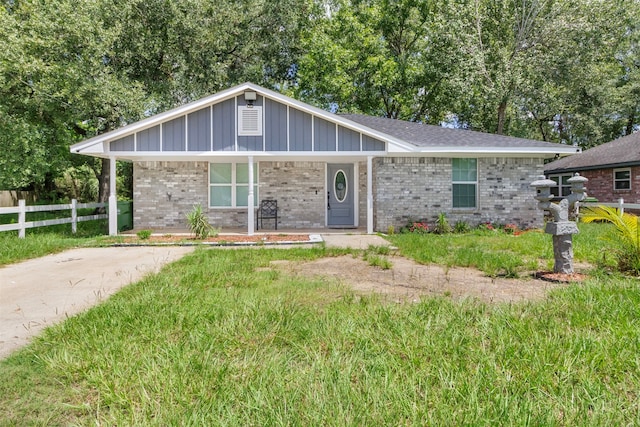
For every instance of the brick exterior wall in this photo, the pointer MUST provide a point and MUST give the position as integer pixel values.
(299, 189)
(407, 189)
(165, 191)
(404, 189)
(600, 186)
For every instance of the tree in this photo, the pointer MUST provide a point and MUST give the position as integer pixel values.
(71, 70)
(58, 86)
(389, 58)
(183, 50)
(553, 70)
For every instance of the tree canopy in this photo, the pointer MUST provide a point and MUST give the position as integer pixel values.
(556, 70)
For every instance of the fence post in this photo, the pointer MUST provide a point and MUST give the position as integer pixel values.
(74, 216)
(22, 218)
(621, 203)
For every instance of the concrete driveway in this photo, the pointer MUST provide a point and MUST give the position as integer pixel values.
(37, 293)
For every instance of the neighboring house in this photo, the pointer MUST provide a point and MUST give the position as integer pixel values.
(613, 170)
(246, 144)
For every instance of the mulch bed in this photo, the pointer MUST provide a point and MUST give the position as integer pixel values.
(219, 240)
(550, 276)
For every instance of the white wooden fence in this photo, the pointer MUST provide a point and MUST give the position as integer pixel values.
(620, 205)
(23, 224)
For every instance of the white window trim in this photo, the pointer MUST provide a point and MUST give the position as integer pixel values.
(619, 180)
(233, 184)
(475, 183)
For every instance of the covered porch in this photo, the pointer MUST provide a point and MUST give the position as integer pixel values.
(323, 194)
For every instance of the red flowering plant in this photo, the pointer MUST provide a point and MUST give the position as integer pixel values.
(511, 229)
(419, 228)
(486, 226)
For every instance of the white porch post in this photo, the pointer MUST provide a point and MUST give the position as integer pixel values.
(113, 201)
(250, 201)
(369, 195)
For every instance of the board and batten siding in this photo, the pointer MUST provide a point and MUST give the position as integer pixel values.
(215, 128)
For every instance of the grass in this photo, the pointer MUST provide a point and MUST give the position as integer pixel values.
(497, 253)
(220, 339)
(41, 241)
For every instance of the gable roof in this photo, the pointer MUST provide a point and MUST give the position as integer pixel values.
(92, 146)
(624, 151)
(401, 137)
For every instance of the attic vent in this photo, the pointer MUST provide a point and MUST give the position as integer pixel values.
(249, 121)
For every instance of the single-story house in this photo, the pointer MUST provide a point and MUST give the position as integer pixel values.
(231, 150)
(613, 170)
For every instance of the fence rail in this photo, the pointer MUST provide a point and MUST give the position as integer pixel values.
(23, 224)
(620, 204)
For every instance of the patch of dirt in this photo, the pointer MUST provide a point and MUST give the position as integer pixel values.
(550, 276)
(407, 280)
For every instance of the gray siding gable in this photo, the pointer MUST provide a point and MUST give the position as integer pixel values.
(214, 128)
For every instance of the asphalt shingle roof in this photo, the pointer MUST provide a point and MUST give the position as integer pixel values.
(423, 135)
(621, 151)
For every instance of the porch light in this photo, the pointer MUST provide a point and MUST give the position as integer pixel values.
(250, 96)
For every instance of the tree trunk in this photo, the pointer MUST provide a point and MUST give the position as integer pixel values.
(502, 114)
(630, 124)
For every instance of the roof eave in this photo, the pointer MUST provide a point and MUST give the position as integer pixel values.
(593, 167)
(547, 152)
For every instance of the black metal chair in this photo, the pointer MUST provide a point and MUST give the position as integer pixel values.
(268, 209)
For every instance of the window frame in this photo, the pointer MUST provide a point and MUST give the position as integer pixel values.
(615, 180)
(234, 185)
(454, 183)
(560, 177)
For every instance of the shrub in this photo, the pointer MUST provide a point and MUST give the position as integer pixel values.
(627, 231)
(143, 234)
(461, 227)
(442, 224)
(199, 224)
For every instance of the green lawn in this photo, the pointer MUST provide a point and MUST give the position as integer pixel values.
(41, 241)
(220, 339)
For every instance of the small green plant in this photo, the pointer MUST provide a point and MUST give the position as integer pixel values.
(144, 234)
(442, 224)
(378, 261)
(461, 227)
(378, 250)
(199, 224)
(627, 233)
(391, 230)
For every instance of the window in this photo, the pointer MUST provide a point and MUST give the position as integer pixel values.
(564, 188)
(622, 179)
(229, 185)
(465, 182)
